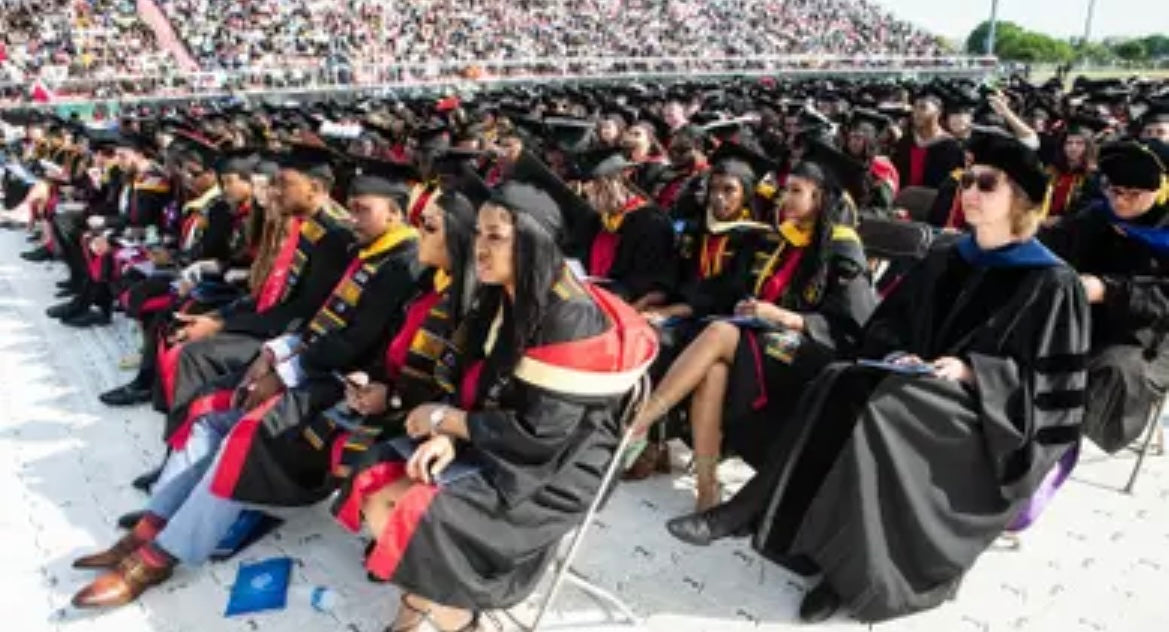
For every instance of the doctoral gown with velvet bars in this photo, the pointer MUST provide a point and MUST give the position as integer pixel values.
(268, 457)
(894, 485)
(1129, 368)
(543, 431)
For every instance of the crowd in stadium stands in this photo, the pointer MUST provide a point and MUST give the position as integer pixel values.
(230, 34)
(75, 39)
(294, 42)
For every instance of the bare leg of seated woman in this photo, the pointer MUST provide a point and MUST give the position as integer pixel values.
(702, 369)
(706, 409)
(413, 610)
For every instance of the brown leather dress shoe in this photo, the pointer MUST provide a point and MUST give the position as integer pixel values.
(122, 585)
(110, 558)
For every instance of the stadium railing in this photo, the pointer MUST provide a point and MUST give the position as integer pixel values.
(306, 77)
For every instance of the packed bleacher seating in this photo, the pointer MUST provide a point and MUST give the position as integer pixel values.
(79, 47)
(430, 312)
(265, 34)
(76, 39)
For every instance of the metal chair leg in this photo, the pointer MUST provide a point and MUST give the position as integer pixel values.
(562, 568)
(1154, 427)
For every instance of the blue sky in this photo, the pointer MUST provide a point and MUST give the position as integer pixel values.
(955, 19)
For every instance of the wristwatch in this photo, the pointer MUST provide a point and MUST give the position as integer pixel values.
(437, 416)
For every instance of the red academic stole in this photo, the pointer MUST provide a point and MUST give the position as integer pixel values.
(781, 267)
(1062, 192)
(917, 156)
(273, 288)
(604, 250)
(420, 203)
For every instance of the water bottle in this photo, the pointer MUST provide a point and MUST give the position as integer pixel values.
(322, 598)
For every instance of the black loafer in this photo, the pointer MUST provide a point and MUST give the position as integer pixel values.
(145, 482)
(128, 395)
(820, 604)
(88, 318)
(65, 292)
(37, 256)
(130, 520)
(68, 309)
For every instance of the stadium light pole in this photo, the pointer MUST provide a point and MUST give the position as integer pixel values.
(1088, 23)
(991, 33)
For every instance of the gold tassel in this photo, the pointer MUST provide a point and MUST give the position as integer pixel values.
(1163, 194)
(1046, 207)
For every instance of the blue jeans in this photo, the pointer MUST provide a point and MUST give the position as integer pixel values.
(196, 519)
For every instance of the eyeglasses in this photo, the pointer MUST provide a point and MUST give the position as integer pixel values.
(987, 182)
(1128, 194)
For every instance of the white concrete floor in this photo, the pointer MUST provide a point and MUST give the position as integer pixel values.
(1096, 561)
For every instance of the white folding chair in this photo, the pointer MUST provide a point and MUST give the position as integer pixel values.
(1154, 430)
(562, 570)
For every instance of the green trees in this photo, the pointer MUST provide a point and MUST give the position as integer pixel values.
(1015, 43)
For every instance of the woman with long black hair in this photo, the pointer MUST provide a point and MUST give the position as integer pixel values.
(406, 374)
(468, 516)
(894, 474)
(810, 296)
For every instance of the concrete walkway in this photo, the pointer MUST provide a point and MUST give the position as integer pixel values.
(1098, 560)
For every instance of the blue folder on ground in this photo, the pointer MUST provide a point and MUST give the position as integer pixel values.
(260, 586)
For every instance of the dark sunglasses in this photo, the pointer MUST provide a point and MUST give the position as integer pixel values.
(987, 182)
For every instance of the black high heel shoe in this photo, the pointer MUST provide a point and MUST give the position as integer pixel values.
(819, 604)
(733, 518)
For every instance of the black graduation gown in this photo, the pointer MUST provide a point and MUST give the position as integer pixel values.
(771, 368)
(408, 369)
(1129, 369)
(894, 485)
(644, 259)
(210, 365)
(542, 430)
(942, 157)
(267, 457)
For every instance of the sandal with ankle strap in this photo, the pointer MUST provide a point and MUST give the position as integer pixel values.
(420, 615)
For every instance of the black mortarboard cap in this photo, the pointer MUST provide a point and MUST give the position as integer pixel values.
(600, 163)
(383, 178)
(1086, 125)
(864, 116)
(314, 161)
(845, 171)
(569, 134)
(759, 164)
(1135, 165)
(238, 161)
(1158, 112)
(1016, 160)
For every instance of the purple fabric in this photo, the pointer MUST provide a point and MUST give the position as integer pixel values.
(1046, 491)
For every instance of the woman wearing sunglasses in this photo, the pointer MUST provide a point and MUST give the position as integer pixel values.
(1120, 246)
(896, 473)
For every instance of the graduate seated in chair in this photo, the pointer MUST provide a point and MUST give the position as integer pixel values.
(893, 475)
(1120, 247)
(376, 402)
(468, 516)
(807, 300)
(134, 224)
(628, 242)
(254, 448)
(212, 237)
